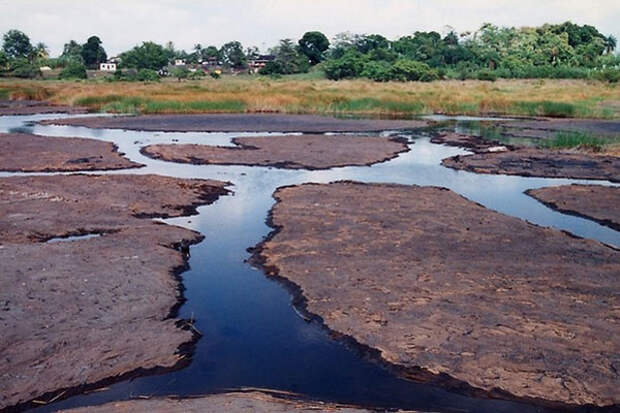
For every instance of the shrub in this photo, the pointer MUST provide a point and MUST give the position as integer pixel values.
(351, 64)
(24, 69)
(487, 75)
(607, 75)
(74, 70)
(406, 69)
(377, 71)
(147, 75)
(215, 75)
(576, 140)
(271, 68)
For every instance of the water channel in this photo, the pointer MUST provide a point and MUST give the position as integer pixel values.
(252, 335)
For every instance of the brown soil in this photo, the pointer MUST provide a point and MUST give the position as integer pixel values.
(33, 153)
(435, 281)
(291, 152)
(599, 203)
(32, 107)
(78, 312)
(540, 162)
(240, 123)
(220, 403)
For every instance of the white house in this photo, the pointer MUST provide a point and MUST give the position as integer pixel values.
(107, 67)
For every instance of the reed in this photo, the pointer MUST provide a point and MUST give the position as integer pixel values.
(555, 98)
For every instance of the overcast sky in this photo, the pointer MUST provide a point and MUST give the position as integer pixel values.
(123, 23)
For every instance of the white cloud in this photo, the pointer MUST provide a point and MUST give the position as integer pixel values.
(121, 24)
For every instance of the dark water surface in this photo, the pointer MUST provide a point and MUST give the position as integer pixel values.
(252, 335)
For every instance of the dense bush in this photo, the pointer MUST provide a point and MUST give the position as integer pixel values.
(351, 64)
(73, 70)
(607, 75)
(488, 75)
(147, 75)
(405, 70)
(378, 71)
(23, 68)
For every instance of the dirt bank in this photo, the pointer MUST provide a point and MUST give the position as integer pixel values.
(34, 153)
(599, 203)
(33, 107)
(433, 280)
(240, 123)
(220, 403)
(548, 128)
(78, 312)
(291, 152)
(540, 162)
(475, 144)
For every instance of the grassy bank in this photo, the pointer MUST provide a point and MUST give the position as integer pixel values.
(557, 98)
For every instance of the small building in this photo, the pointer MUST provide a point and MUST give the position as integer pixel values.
(179, 62)
(257, 62)
(107, 67)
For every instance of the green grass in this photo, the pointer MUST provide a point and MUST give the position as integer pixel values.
(373, 105)
(193, 107)
(566, 140)
(136, 105)
(98, 100)
(4, 94)
(547, 108)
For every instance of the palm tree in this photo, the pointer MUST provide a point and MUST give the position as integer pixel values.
(40, 51)
(610, 44)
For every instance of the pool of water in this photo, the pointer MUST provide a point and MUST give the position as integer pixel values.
(252, 335)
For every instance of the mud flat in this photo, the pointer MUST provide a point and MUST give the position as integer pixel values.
(32, 107)
(548, 128)
(291, 152)
(539, 162)
(434, 281)
(595, 202)
(475, 144)
(78, 312)
(221, 403)
(239, 123)
(33, 153)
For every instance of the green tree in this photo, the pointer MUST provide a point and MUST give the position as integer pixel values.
(610, 44)
(16, 45)
(72, 50)
(180, 73)
(22, 67)
(351, 64)
(148, 55)
(4, 61)
(41, 51)
(93, 53)
(287, 58)
(233, 55)
(211, 52)
(147, 75)
(74, 70)
(313, 45)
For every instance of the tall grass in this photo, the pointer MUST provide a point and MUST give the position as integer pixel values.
(547, 108)
(557, 98)
(567, 140)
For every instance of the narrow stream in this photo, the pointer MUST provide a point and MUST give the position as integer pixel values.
(252, 335)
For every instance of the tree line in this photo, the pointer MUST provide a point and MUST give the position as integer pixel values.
(563, 50)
